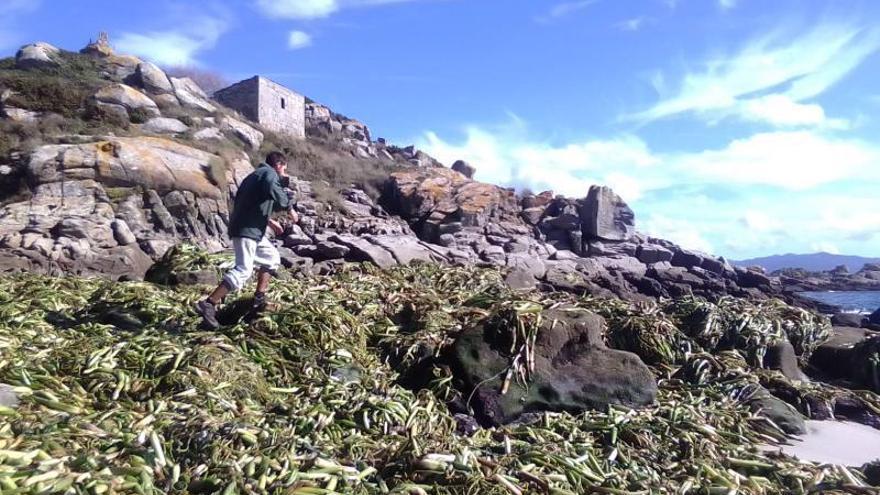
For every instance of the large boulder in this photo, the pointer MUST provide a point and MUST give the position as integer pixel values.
(854, 320)
(153, 79)
(127, 97)
(191, 94)
(164, 125)
(604, 215)
(763, 403)
(37, 55)
(573, 369)
(250, 136)
(464, 168)
(850, 355)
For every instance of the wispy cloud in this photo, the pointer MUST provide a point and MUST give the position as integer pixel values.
(564, 9)
(315, 9)
(179, 45)
(794, 67)
(633, 24)
(298, 39)
(727, 4)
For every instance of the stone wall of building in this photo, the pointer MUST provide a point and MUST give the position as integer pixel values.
(281, 110)
(242, 96)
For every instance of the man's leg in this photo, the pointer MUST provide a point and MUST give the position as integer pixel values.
(268, 259)
(233, 281)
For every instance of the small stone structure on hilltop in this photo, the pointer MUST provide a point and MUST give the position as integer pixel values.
(267, 103)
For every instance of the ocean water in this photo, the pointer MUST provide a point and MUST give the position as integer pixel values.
(858, 301)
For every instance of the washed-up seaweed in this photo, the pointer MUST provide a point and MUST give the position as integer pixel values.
(121, 392)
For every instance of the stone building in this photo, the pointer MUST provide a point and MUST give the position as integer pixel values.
(267, 103)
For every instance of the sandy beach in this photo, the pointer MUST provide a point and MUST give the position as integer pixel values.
(836, 442)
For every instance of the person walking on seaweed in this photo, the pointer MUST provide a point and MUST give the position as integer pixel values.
(261, 193)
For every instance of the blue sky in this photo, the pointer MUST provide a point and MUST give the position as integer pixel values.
(740, 127)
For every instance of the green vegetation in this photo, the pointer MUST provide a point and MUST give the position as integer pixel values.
(63, 89)
(122, 393)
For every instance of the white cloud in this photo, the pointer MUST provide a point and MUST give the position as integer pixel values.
(794, 160)
(175, 47)
(314, 9)
(727, 4)
(782, 111)
(298, 9)
(759, 221)
(682, 231)
(298, 39)
(825, 247)
(633, 24)
(765, 192)
(789, 68)
(564, 9)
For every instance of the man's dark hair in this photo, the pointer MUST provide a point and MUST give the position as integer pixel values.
(275, 157)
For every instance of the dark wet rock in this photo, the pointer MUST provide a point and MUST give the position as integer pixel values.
(874, 319)
(847, 355)
(782, 357)
(854, 320)
(752, 278)
(648, 253)
(573, 371)
(466, 425)
(686, 259)
(872, 472)
(464, 168)
(763, 403)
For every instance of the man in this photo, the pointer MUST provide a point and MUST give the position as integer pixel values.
(261, 193)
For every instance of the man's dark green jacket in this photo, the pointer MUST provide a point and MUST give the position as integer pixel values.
(258, 196)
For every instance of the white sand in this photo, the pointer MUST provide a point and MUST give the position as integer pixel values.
(836, 442)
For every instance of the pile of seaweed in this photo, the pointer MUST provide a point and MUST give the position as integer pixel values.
(121, 392)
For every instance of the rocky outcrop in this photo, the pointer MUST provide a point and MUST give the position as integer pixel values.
(110, 207)
(798, 280)
(127, 98)
(569, 368)
(483, 223)
(37, 55)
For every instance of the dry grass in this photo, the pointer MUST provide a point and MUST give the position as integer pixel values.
(327, 161)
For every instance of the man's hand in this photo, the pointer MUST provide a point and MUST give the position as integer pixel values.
(276, 227)
(294, 216)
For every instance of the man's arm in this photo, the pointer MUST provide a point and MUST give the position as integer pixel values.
(279, 196)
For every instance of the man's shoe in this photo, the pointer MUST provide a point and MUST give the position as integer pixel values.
(260, 301)
(208, 312)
